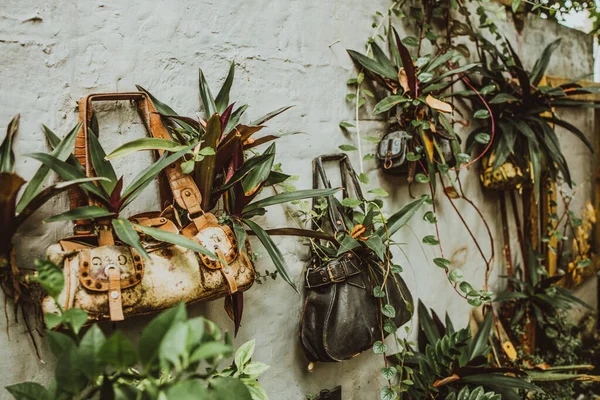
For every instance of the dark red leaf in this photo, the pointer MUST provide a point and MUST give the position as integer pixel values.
(407, 64)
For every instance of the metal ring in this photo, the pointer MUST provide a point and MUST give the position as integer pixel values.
(109, 267)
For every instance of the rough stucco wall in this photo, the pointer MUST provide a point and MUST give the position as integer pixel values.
(289, 52)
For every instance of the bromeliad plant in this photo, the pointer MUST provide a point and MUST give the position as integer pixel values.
(417, 89)
(451, 360)
(522, 110)
(176, 358)
(537, 296)
(219, 153)
(14, 213)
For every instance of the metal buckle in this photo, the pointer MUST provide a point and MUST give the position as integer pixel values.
(332, 277)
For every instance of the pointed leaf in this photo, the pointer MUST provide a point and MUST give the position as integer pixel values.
(372, 65)
(144, 144)
(270, 115)
(205, 169)
(87, 212)
(259, 175)
(125, 231)
(273, 251)
(7, 156)
(222, 99)
(101, 166)
(61, 152)
(399, 219)
(291, 196)
(206, 96)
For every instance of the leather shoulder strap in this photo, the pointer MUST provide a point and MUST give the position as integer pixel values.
(182, 187)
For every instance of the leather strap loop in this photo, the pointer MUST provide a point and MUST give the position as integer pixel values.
(115, 303)
(183, 189)
(336, 217)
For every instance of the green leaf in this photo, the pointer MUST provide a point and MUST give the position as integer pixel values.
(118, 352)
(69, 377)
(481, 114)
(347, 147)
(59, 343)
(176, 239)
(427, 325)
(205, 170)
(273, 251)
(146, 176)
(228, 389)
(206, 97)
(244, 354)
(86, 212)
(61, 152)
(410, 41)
(344, 124)
(173, 348)
(401, 218)
(378, 292)
(259, 175)
(7, 156)
(89, 352)
(28, 391)
(389, 102)
(515, 5)
(430, 240)
(128, 235)
(75, 318)
(502, 98)
(479, 345)
(421, 178)
(482, 138)
(209, 350)
(144, 144)
(372, 65)
(49, 277)
(379, 192)
(389, 311)
(69, 173)
(456, 275)
(388, 373)
(270, 115)
(52, 320)
(363, 178)
(254, 369)
(102, 167)
(350, 202)
(387, 394)
(154, 333)
(379, 347)
(222, 99)
(541, 64)
(442, 263)
(187, 390)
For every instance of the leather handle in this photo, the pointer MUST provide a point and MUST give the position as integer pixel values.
(346, 170)
(182, 187)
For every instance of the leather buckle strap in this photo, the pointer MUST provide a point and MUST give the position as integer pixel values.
(335, 271)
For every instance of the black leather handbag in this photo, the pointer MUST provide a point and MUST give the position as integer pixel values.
(341, 316)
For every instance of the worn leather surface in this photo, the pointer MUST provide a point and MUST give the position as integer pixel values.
(341, 318)
(173, 275)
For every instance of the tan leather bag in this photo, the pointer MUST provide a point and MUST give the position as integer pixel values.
(110, 280)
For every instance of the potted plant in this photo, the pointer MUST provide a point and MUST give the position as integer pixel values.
(524, 148)
(220, 155)
(13, 212)
(417, 103)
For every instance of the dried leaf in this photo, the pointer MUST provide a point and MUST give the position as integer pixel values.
(451, 192)
(438, 104)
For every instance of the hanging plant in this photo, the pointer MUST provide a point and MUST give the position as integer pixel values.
(417, 105)
(219, 152)
(14, 213)
(525, 147)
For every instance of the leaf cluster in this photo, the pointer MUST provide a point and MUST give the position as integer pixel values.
(177, 357)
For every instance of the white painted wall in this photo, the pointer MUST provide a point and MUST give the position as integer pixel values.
(289, 52)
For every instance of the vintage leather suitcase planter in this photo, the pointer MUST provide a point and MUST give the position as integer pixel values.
(111, 280)
(341, 317)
